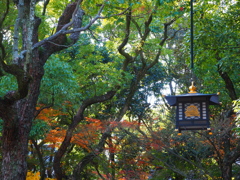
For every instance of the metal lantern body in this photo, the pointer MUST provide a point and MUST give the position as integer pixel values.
(192, 112)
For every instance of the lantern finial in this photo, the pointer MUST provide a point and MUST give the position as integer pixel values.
(192, 88)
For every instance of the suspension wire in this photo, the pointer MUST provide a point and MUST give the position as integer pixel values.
(191, 36)
(191, 42)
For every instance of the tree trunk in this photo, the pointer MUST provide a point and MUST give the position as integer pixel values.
(17, 116)
(40, 159)
(17, 108)
(227, 80)
(14, 142)
(17, 125)
(227, 171)
(228, 84)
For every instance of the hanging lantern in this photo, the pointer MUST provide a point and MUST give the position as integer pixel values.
(192, 111)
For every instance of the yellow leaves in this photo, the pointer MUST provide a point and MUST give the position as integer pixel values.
(33, 176)
(36, 176)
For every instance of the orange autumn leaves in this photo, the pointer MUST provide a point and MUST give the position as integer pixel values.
(55, 136)
(49, 115)
(88, 133)
(85, 135)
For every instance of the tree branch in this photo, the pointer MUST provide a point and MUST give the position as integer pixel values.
(62, 29)
(30, 27)
(77, 118)
(17, 25)
(228, 83)
(100, 147)
(128, 58)
(46, 2)
(4, 14)
(165, 37)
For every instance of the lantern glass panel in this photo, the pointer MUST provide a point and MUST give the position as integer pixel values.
(204, 110)
(180, 106)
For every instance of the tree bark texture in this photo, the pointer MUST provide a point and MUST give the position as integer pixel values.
(227, 80)
(17, 116)
(228, 84)
(17, 108)
(227, 171)
(41, 160)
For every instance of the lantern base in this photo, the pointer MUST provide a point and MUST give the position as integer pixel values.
(182, 128)
(193, 127)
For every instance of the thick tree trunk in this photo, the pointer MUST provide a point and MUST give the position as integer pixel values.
(17, 107)
(16, 128)
(17, 116)
(14, 141)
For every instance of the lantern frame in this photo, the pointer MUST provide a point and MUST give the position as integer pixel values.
(192, 109)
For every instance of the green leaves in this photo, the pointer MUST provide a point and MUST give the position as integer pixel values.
(59, 83)
(216, 36)
(161, 2)
(236, 107)
(39, 129)
(96, 69)
(7, 82)
(121, 1)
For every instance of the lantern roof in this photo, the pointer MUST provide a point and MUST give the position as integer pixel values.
(212, 98)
